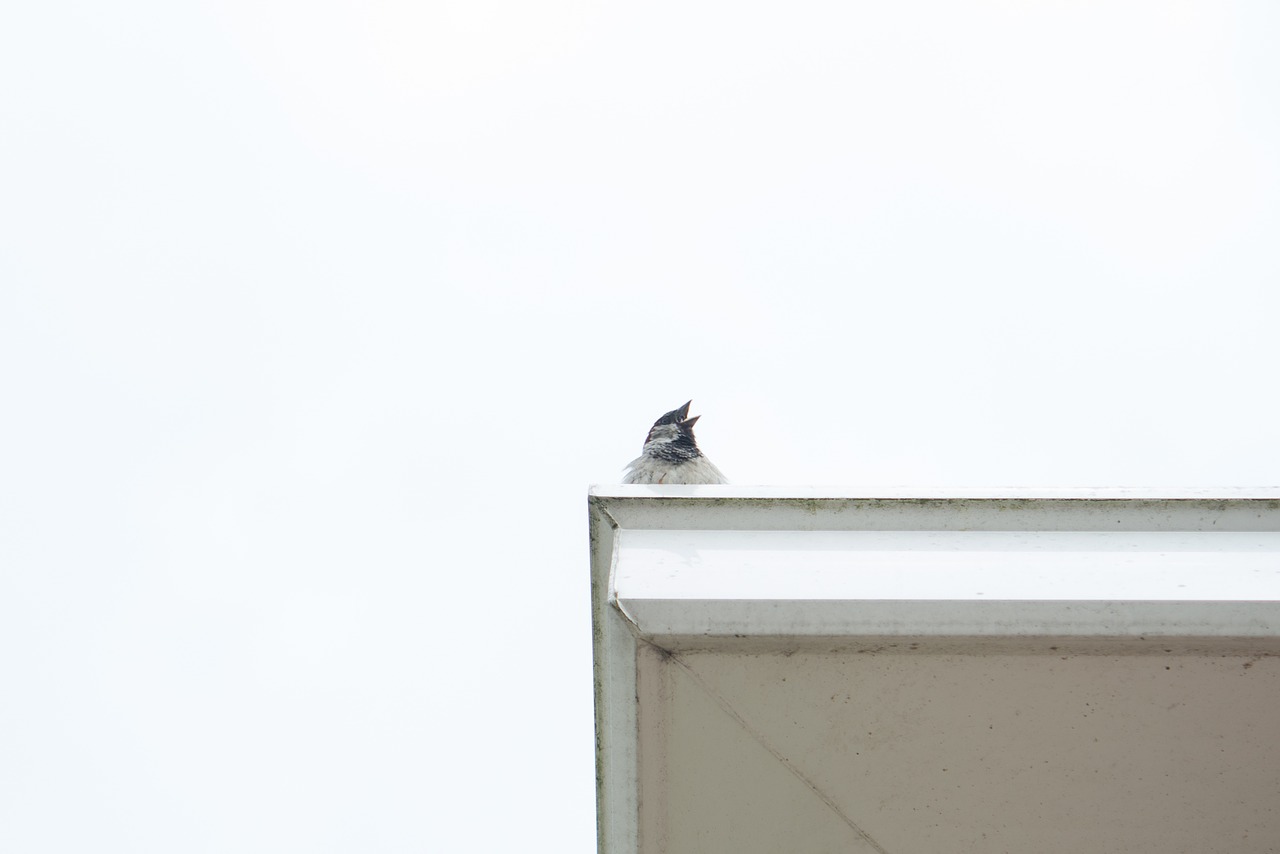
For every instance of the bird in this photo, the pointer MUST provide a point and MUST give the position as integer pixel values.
(671, 454)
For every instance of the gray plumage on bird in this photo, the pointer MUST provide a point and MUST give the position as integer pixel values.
(671, 453)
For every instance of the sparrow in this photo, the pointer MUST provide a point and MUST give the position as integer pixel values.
(671, 454)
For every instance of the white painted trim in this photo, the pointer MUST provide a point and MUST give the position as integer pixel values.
(776, 616)
(1021, 493)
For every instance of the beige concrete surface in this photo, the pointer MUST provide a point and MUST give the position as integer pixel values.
(914, 753)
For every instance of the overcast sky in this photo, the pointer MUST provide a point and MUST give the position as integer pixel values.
(317, 320)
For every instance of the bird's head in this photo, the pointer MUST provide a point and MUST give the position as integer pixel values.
(676, 427)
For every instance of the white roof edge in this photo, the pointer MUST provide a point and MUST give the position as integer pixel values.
(894, 493)
(659, 619)
(910, 508)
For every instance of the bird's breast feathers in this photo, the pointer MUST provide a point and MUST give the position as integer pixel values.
(647, 469)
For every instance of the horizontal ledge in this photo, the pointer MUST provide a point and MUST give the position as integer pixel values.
(658, 619)
(735, 563)
(977, 566)
(912, 493)
(1055, 645)
(791, 508)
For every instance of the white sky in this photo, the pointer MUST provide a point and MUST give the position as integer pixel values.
(317, 319)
